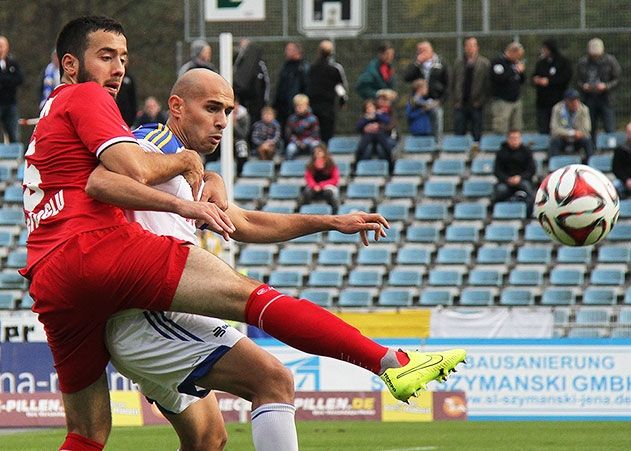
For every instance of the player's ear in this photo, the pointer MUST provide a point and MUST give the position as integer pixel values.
(70, 65)
(175, 105)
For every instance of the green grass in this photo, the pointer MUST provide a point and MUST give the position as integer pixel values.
(366, 436)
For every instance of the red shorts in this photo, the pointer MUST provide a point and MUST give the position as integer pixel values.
(93, 275)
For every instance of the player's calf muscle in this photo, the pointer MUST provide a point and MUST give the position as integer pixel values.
(210, 287)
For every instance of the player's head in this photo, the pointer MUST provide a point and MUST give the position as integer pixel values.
(199, 105)
(93, 48)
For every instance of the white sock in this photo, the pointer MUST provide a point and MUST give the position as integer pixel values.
(273, 428)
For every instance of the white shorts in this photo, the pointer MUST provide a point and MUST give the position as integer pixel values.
(166, 352)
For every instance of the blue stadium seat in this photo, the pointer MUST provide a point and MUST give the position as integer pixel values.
(477, 296)
(410, 167)
(601, 162)
(321, 296)
(534, 232)
(401, 190)
(247, 191)
(338, 237)
(627, 296)
(443, 166)
(316, 209)
(13, 194)
(494, 255)
(535, 254)
(284, 191)
(6, 238)
(20, 174)
(285, 278)
(343, 144)
(486, 277)
(625, 209)
(344, 167)
(509, 210)
(620, 232)
(439, 276)
(581, 332)
(278, 208)
(431, 212)
(429, 233)
(258, 169)
(517, 296)
(608, 141)
(470, 210)
(26, 302)
(491, 142)
(501, 232)
(477, 188)
(614, 254)
(532, 277)
(560, 161)
(436, 296)
(363, 276)
(391, 297)
(439, 189)
(291, 256)
(393, 211)
(372, 168)
(607, 276)
(5, 173)
(624, 317)
(592, 317)
(11, 216)
(7, 301)
(621, 332)
(536, 141)
(452, 255)
(361, 190)
(410, 254)
(257, 273)
(16, 259)
(567, 276)
(12, 151)
(393, 234)
(214, 166)
(482, 165)
(330, 277)
(355, 297)
(355, 205)
(11, 279)
(293, 168)
(405, 277)
(312, 238)
(334, 256)
(578, 254)
(558, 296)
(373, 256)
(599, 296)
(419, 144)
(456, 143)
(255, 256)
(462, 233)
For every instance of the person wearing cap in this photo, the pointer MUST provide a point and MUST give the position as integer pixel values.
(201, 54)
(551, 78)
(571, 126)
(597, 76)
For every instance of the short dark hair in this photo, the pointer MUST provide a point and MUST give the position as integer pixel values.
(73, 37)
(383, 46)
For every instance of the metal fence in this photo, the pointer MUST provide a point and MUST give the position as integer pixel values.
(445, 23)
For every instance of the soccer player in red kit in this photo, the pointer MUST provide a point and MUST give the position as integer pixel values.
(86, 262)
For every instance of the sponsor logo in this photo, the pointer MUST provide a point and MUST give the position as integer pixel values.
(306, 372)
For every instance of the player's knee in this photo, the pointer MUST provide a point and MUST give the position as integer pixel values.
(279, 383)
(211, 439)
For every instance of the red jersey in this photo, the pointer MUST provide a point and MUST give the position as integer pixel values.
(77, 123)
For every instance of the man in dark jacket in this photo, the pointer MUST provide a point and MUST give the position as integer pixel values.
(507, 76)
(327, 86)
(292, 80)
(551, 77)
(429, 66)
(470, 89)
(515, 169)
(622, 166)
(10, 78)
(379, 74)
(251, 79)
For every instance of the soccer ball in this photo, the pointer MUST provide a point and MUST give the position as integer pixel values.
(577, 205)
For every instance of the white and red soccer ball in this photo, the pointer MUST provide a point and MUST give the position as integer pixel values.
(577, 205)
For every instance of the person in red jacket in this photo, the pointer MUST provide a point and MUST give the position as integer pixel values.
(322, 177)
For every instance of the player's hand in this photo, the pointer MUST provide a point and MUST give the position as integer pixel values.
(214, 190)
(207, 216)
(362, 223)
(194, 174)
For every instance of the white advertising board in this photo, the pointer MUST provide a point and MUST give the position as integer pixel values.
(234, 10)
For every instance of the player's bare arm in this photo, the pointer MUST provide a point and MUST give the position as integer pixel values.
(214, 190)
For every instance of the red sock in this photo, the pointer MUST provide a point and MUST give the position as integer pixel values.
(76, 442)
(310, 328)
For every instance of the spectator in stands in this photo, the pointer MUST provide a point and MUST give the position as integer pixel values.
(429, 66)
(151, 113)
(384, 101)
(50, 78)
(10, 78)
(327, 88)
(551, 78)
(419, 109)
(515, 170)
(470, 89)
(507, 76)
(622, 166)
(292, 80)
(597, 75)
(126, 99)
(379, 74)
(570, 126)
(374, 128)
(201, 56)
(303, 129)
(322, 177)
(266, 134)
(251, 78)
(241, 132)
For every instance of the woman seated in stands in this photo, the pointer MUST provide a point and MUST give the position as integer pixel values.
(322, 177)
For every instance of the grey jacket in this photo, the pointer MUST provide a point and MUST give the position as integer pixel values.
(480, 85)
(561, 127)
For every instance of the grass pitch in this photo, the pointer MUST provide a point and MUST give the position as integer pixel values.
(348, 435)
